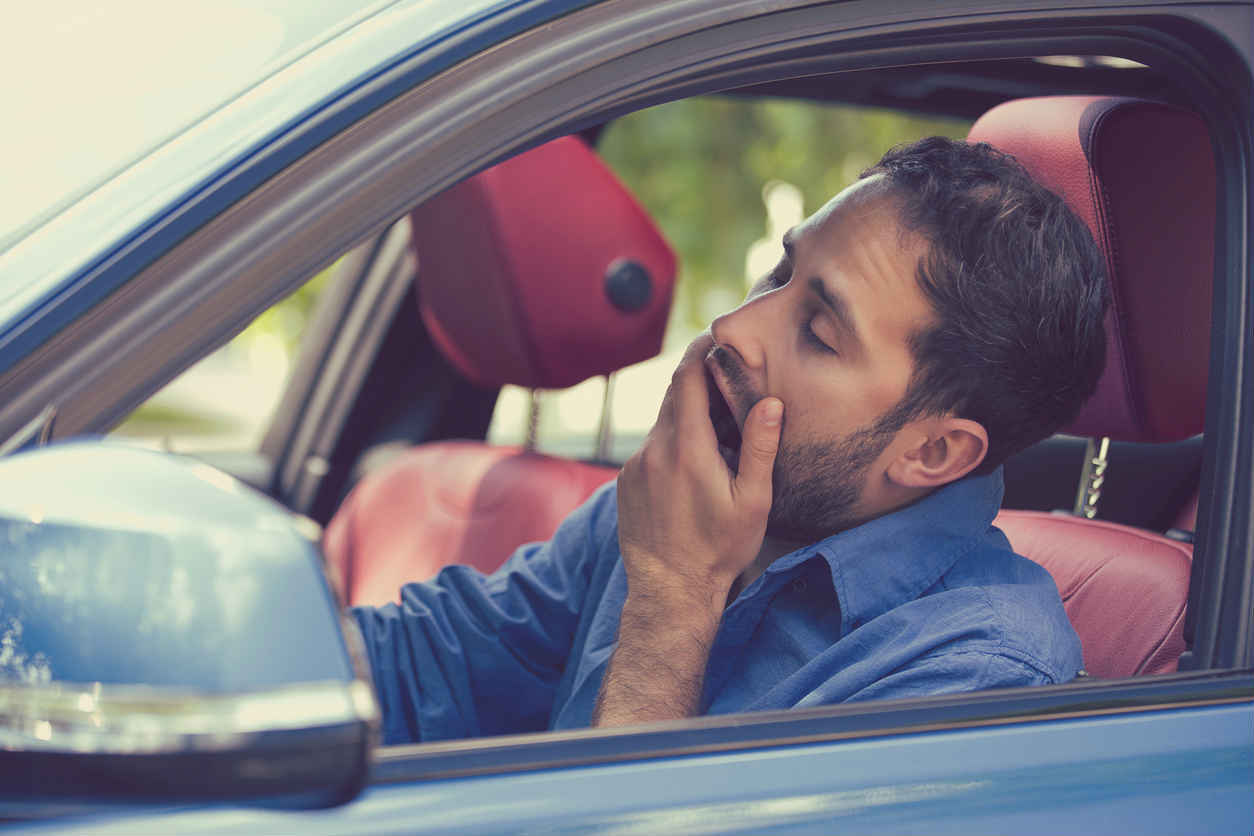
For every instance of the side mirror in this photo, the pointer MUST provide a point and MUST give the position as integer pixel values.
(168, 634)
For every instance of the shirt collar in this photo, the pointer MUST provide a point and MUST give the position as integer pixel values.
(892, 559)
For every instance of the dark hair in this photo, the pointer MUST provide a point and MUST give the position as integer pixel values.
(1017, 286)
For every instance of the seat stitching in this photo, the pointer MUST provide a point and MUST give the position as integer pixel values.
(1081, 583)
(1140, 668)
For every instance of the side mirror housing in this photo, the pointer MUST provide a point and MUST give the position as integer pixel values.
(167, 633)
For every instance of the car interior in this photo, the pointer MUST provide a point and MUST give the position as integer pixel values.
(544, 271)
(1124, 587)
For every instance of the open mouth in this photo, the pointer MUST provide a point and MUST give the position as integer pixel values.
(726, 427)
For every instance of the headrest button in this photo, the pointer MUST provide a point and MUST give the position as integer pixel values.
(628, 285)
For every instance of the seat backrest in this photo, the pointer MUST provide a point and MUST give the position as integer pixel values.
(450, 502)
(1141, 175)
(540, 272)
(1124, 589)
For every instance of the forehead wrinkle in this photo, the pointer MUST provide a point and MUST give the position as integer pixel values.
(861, 251)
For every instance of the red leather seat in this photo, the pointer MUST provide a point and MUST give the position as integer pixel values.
(540, 272)
(1142, 176)
(450, 502)
(1124, 589)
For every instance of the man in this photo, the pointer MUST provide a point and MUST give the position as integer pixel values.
(809, 521)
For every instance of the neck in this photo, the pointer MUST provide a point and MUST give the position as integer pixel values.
(774, 548)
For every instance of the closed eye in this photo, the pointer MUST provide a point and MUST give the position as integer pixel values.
(813, 339)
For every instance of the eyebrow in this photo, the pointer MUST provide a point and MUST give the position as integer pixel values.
(836, 304)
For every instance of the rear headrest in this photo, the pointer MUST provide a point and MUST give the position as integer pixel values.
(1141, 175)
(542, 271)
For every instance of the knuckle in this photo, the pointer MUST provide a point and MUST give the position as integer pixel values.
(764, 447)
(684, 458)
(650, 457)
(757, 502)
(640, 461)
(636, 467)
(629, 468)
(690, 463)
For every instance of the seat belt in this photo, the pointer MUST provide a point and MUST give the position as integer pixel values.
(1092, 475)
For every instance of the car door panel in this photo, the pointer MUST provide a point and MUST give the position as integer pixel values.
(1182, 770)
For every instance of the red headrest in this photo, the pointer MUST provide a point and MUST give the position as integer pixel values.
(1142, 176)
(542, 271)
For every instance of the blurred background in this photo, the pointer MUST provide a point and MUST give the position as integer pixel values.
(724, 178)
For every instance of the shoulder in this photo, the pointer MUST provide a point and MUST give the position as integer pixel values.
(1013, 609)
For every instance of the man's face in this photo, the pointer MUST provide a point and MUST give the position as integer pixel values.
(828, 333)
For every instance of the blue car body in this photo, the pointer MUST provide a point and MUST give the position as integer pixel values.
(1172, 753)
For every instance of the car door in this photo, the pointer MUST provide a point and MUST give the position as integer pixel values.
(1167, 753)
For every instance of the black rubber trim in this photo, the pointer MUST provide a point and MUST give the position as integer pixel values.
(743, 732)
(304, 768)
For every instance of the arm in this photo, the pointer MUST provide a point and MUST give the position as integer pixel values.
(954, 673)
(468, 654)
(688, 527)
(940, 644)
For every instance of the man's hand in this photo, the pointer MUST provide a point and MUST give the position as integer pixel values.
(687, 527)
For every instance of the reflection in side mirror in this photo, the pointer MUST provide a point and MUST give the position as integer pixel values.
(166, 633)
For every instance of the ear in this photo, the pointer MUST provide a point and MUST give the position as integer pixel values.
(940, 450)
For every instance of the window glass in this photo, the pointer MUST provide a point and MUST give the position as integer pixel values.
(724, 178)
(224, 401)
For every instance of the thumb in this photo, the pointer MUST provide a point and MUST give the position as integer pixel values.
(759, 444)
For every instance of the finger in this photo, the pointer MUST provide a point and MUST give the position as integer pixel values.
(690, 393)
(693, 358)
(759, 444)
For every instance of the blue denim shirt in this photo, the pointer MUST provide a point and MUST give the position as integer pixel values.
(927, 600)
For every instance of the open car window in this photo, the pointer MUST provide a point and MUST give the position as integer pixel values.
(727, 228)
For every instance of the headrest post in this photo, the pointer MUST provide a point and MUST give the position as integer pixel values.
(533, 418)
(1091, 477)
(605, 432)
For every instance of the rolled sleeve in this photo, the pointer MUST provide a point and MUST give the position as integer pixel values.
(471, 654)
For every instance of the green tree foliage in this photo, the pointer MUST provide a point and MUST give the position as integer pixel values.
(699, 167)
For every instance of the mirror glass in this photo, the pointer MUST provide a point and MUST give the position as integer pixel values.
(125, 566)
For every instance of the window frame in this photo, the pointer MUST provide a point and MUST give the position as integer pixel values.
(1086, 698)
(1221, 674)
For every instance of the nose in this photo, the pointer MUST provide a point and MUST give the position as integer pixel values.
(746, 329)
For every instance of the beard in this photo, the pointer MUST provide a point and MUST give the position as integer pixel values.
(815, 484)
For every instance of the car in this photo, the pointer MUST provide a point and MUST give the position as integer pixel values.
(174, 178)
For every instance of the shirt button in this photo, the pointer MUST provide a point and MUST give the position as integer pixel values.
(799, 585)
